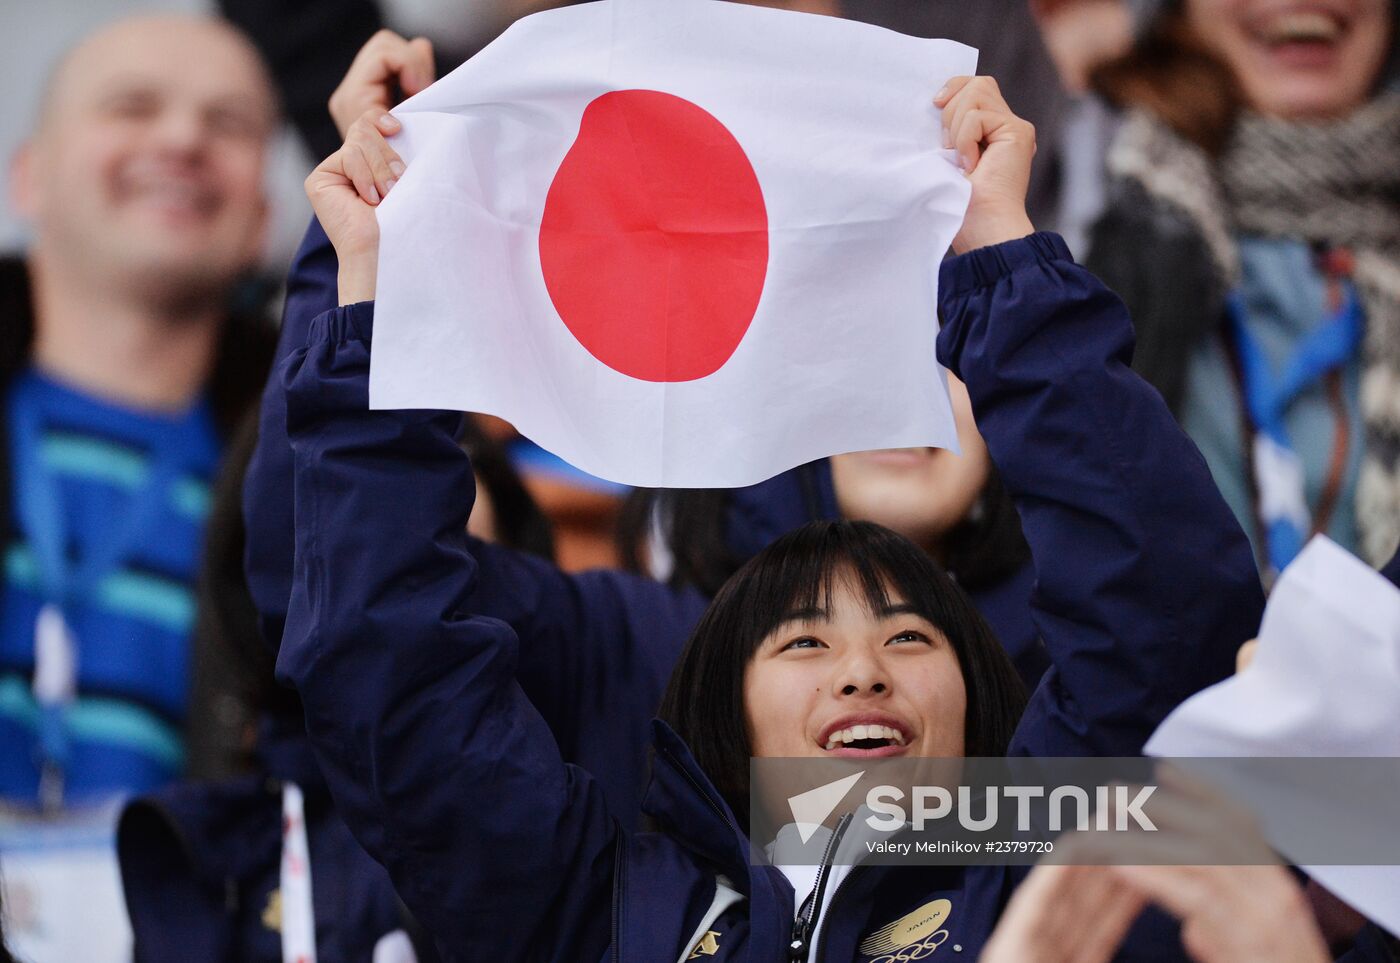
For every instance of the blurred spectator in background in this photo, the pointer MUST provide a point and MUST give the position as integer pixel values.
(1081, 35)
(125, 364)
(1253, 227)
(200, 860)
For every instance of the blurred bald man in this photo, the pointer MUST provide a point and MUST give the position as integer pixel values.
(124, 366)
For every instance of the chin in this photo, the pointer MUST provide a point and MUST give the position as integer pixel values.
(1305, 102)
(922, 520)
(179, 277)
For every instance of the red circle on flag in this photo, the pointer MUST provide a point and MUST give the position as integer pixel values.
(654, 240)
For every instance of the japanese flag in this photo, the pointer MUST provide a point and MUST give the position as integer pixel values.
(681, 243)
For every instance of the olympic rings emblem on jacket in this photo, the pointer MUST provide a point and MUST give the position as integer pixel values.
(914, 951)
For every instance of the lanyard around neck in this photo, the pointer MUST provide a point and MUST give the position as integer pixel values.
(43, 521)
(1278, 471)
(1328, 347)
(294, 881)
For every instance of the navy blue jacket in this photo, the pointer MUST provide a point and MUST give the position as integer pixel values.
(450, 776)
(200, 868)
(582, 636)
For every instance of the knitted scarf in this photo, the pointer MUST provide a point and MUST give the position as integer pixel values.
(1336, 184)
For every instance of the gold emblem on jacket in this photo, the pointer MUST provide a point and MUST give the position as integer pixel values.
(707, 946)
(916, 927)
(272, 912)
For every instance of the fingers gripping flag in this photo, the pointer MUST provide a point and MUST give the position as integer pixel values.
(679, 243)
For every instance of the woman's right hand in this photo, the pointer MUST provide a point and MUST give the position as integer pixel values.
(344, 190)
(996, 148)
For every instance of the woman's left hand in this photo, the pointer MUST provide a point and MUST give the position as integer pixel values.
(996, 148)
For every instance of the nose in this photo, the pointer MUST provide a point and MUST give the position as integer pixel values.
(862, 675)
(181, 131)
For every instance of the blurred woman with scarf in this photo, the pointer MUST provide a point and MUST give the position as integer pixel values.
(1253, 227)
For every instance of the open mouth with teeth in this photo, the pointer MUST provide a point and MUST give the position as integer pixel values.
(866, 739)
(1302, 26)
(1307, 33)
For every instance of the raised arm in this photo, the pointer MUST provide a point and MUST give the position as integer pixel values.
(1145, 584)
(440, 765)
(267, 488)
(596, 648)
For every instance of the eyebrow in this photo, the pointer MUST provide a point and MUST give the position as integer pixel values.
(804, 615)
(818, 614)
(129, 83)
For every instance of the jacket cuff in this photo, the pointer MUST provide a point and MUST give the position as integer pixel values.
(985, 266)
(347, 323)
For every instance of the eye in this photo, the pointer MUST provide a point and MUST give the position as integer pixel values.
(133, 105)
(805, 642)
(234, 123)
(909, 635)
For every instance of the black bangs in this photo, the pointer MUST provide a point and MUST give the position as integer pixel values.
(806, 569)
(796, 576)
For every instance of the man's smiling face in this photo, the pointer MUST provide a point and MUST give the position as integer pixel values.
(149, 157)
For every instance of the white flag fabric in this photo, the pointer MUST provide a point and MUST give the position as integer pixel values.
(679, 243)
(1324, 682)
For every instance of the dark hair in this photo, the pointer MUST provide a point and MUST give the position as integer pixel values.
(704, 701)
(520, 524)
(982, 549)
(1173, 75)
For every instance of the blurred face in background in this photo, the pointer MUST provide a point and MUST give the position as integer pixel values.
(147, 163)
(921, 493)
(1299, 59)
(1082, 34)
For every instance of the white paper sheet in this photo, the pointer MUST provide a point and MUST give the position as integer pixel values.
(1325, 681)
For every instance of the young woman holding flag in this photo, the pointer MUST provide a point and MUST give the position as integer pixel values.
(451, 777)
(620, 629)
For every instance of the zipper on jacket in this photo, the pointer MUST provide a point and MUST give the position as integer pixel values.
(804, 924)
(836, 900)
(619, 888)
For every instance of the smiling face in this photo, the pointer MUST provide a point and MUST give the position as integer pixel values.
(839, 638)
(148, 163)
(1298, 59)
(854, 679)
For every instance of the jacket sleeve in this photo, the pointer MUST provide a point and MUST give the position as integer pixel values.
(1145, 584)
(440, 765)
(584, 638)
(267, 487)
